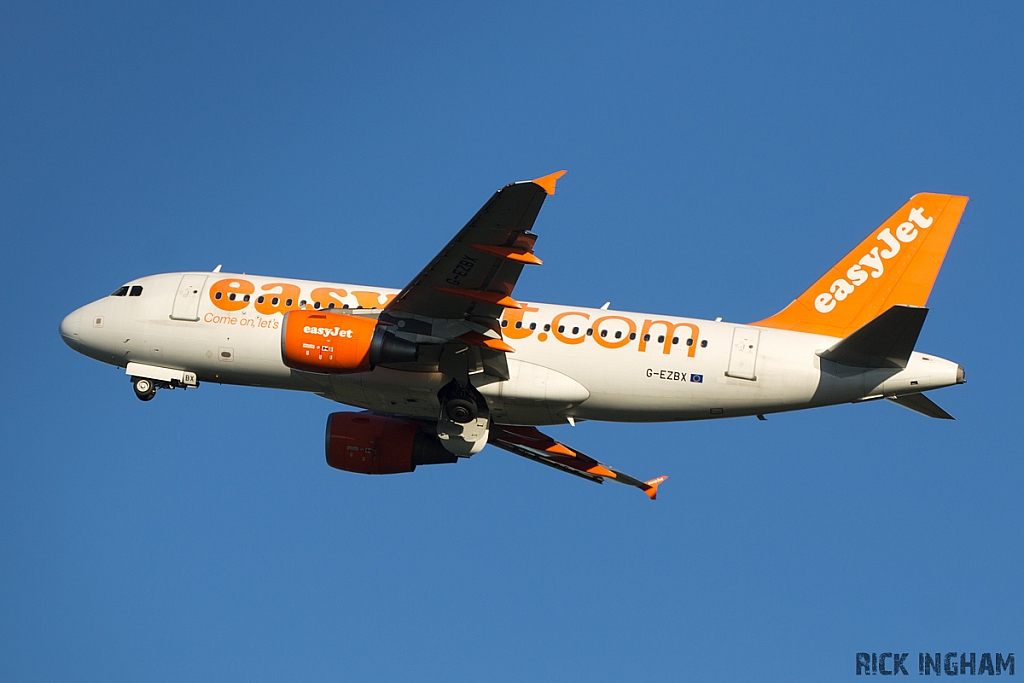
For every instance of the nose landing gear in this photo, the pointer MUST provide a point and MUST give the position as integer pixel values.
(146, 379)
(145, 388)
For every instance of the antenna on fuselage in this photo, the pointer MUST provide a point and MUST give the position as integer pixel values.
(217, 269)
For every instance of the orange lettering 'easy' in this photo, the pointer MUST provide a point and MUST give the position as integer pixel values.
(288, 292)
(226, 288)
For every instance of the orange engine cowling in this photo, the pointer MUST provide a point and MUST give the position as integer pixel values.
(374, 444)
(318, 341)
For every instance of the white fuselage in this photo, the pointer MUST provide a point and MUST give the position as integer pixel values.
(633, 367)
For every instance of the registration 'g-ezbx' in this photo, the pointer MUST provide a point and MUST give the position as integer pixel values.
(453, 362)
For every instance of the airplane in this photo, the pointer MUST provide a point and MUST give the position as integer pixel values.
(452, 362)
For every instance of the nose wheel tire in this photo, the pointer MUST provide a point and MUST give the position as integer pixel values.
(145, 388)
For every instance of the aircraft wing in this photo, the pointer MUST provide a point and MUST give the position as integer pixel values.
(529, 442)
(458, 299)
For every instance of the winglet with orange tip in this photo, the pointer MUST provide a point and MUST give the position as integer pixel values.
(548, 182)
(652, 486)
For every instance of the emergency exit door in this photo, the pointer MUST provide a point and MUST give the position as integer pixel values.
(186, 299)
(743, 357)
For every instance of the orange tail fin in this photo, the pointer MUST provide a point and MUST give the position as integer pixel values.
(896, 264)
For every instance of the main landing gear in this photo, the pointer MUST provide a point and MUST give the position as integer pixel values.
(464, 423)
(145, 388)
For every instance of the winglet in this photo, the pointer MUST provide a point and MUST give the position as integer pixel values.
(652, 487)
(548, 182)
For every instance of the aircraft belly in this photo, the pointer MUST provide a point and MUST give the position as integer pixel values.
(391, 391)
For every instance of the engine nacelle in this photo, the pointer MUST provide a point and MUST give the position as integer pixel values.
(318, 341)
(374, 444)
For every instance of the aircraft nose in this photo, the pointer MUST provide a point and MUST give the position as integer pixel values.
(70, 329)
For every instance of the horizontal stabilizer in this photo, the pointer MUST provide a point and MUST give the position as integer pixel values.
(885, 342)
(920, 403)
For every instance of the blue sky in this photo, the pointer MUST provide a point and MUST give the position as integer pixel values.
(720, 159)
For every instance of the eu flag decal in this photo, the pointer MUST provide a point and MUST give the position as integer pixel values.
(699, 379)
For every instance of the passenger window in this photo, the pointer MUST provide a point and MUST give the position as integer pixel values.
(519, 324)
(561, 328)
(632, 335)
(675, 340)
(302, 303)
(231, 296)
(575, 330)
(288, 303)
(618, 335)
(274, 301)
(533, 326)
(120, 291)
(504, 323)
(547, 327)
(689, 342)
(245, 298)
(218, 295)
(604, 333)
(316, 304)
(590, 331)
(260, 299)
(661, 338)
(704, 344)
(330, 305)
(647, 337)
(136, 290)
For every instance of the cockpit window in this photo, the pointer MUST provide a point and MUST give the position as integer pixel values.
(121, 291)
(136, 290)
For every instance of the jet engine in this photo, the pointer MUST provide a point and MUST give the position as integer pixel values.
(374, 444)
(318, 341)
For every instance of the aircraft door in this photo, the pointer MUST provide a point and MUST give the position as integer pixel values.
(743, 357)
(186, 298)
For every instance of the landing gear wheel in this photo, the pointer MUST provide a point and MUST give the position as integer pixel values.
(145, 388)
(460, 410)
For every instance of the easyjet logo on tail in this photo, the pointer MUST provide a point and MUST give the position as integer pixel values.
(872, 264)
